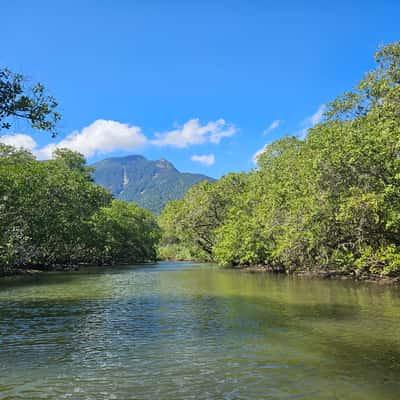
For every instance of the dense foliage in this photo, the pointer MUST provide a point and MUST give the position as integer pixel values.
(27, 103)
(151, 184)
(52, 214)
(331, 201)
(124, 232)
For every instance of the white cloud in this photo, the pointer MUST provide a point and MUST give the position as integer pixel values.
(307, 123)
(207, 159)
(311, 121)
(258, 153)
(19, 141)
(105, 136)
(99, 137)
(274, 125)
(316, 118)
(192, 132)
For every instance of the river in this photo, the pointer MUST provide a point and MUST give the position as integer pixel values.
(191, 331)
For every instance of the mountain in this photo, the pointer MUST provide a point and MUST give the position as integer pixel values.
(149, 183)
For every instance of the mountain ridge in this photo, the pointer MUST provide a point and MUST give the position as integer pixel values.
(149, 183)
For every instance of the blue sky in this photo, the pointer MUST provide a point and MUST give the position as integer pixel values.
(205, 84)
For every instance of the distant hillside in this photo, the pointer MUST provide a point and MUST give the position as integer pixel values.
(149, 183)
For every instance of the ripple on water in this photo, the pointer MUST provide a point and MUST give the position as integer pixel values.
(179, 331)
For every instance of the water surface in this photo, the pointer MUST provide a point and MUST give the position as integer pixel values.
(185, 331)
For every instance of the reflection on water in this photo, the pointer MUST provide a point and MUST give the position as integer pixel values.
(185, 331)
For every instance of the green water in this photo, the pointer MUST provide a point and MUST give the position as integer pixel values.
(185, 331)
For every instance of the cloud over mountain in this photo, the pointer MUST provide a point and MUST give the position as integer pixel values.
(105, 136)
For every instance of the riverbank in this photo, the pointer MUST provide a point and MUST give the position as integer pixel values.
(323, 274)
(253, 269)
(4, 272)
(34, 271)
(19, 271)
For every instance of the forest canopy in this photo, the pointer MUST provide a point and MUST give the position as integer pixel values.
(52, 214)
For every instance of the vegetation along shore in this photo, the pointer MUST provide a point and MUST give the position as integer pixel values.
(325, 203)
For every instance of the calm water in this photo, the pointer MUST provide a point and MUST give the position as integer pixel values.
(184, 331)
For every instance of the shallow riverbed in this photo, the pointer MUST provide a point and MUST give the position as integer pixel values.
(189, 331)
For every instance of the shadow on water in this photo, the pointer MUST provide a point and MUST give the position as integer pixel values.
(60, 277)
(339, 331)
